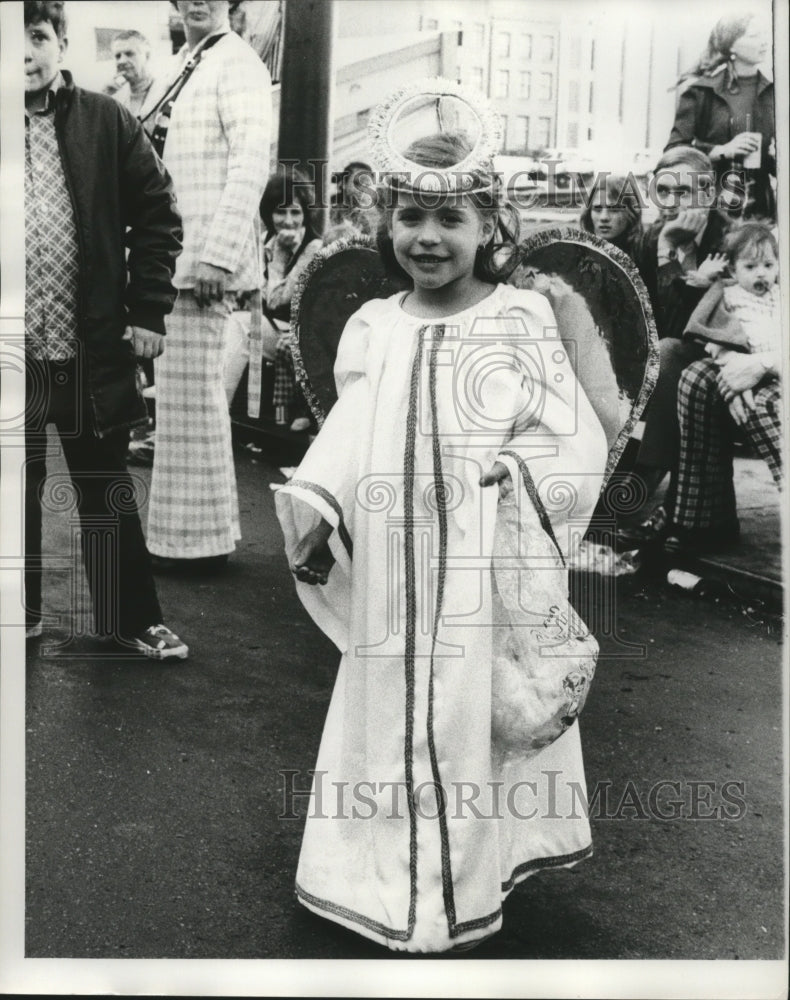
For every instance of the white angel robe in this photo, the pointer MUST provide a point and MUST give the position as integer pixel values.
(418, 826)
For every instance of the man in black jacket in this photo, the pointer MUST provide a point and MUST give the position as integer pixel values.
(680, 258)
(93, 188)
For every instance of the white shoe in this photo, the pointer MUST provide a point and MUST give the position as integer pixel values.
(158, 642)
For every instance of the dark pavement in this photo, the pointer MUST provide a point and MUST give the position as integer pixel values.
(153, 792)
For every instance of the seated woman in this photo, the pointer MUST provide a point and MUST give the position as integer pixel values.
(614, 213)
(290, 246)
(735, 388)
(291, 243)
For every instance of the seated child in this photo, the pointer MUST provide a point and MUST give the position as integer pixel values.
(738, 321)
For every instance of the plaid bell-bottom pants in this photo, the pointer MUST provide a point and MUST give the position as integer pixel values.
(705, 492)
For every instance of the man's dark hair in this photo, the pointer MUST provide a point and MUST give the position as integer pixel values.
(53, 11)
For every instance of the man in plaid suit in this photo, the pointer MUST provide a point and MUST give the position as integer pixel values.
(217, 151)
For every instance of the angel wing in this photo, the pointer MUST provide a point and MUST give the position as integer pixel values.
(605, 320)
(600, 303)
(341, 277)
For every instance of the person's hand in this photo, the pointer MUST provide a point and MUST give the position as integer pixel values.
(717, 351)
(737, 148)
(685, 227)
(738, 372)
(285, 245)
(313, 558)
(210, 284)
(740, 406)
(712, 267)
(495, 474)
(146, 343)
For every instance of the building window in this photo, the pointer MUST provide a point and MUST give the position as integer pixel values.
(547, 48)
(592, 54)
(524, 84)
(503, 45)
(545, 87)
(573, 134)
(573, 95)
(517, 133)
(477, 35)
(502, 83)
(592, 96)
(526, 47)
(430, 24)
(575, 57)
(476, 77)
(543, 137)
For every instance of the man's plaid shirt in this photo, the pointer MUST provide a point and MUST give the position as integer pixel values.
(51, 249)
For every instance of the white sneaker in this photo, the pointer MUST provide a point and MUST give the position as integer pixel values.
(158, 642)
(34, 631)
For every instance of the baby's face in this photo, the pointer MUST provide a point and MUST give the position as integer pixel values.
(757, 272)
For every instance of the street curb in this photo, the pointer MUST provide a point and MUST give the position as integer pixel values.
(743, 581)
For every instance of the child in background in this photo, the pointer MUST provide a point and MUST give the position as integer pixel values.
(445, 391)
(738, 320)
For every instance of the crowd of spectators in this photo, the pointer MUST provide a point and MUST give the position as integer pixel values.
(709, 263)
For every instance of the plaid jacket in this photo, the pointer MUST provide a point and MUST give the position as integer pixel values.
(217, 152)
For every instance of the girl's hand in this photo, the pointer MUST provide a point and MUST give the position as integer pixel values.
(495, 474)
(740, 405)
(313, 558)
(737, 373)
(712, 267)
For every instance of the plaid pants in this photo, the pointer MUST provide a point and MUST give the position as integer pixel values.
(286, 392)
(705, 491)
(194, 509)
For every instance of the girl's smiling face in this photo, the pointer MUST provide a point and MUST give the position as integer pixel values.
(438, 246)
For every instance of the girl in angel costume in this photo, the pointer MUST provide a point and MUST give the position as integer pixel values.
(458, 423)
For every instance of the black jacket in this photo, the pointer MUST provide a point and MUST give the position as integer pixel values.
(123, 198)
(703, 118)
(673, 300)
